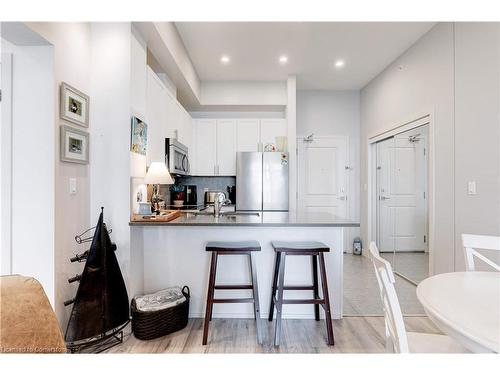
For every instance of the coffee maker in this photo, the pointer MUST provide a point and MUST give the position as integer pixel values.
(191, 197)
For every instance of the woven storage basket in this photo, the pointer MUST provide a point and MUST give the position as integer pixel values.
(148, 325)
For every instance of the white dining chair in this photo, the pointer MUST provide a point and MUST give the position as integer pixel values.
(472, 242)
(397, 339)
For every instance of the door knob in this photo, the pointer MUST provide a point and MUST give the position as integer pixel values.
(342, 198)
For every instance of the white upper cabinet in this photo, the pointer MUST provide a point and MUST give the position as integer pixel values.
(185, 127)
(173, 118)
(248, 135)
(270, 129)
(205, 147)
(226, 148)
(156, 117)
(216, 142)
(166, 118)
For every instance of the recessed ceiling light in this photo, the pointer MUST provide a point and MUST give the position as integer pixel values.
(225, 59)
(339, 64)
(283, 59)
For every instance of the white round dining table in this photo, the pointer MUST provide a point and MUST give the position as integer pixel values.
(465, 306)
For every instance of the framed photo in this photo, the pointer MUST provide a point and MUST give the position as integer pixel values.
(74, 145)
(139, 136)
(74, 106)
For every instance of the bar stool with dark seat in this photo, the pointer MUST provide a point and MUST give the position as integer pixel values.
(232, 248)
(315, 250)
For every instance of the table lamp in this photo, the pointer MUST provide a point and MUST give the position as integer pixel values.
(157, 174)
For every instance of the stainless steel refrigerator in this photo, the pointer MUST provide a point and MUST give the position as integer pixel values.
(262, 181)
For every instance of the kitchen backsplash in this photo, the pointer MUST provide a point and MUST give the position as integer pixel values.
(207, 183)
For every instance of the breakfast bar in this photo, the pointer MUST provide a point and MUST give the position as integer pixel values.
(174, 254)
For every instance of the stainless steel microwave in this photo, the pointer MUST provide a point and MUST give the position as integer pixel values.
(176, 157)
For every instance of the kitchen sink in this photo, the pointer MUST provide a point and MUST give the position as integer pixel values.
(228, 213)
(201, 213)
(239, 214)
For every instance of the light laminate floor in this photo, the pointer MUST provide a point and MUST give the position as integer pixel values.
(361, 293)
(352, 335)
(413, 265)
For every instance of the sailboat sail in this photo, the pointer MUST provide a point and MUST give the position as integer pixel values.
(101, 304)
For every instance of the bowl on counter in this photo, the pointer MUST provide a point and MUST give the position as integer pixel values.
(178, 203)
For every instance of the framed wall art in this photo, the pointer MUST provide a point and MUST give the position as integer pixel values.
(74, 145)
(74, 106)
(139, 136)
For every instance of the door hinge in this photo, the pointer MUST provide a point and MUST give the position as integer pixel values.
(425, 238)
(424, 150)
(424, 194)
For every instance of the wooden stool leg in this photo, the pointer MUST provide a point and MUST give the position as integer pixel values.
(314, 260)
(210, 296)
(275, 282)
(279, 299)
(213, 284)
(326, 297)
(256, 304)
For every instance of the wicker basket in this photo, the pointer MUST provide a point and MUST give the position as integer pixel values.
(148, 325)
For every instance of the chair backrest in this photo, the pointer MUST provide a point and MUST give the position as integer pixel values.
(472, 242)
(396, 339)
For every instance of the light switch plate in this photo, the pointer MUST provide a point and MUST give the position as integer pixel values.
(72, 186)
(471, 188)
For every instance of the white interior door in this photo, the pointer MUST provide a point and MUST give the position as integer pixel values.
(323, 183)
(401, 190)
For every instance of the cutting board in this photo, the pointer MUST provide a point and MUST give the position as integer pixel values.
(156, 218)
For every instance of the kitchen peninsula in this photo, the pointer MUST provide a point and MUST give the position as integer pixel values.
(174, 254)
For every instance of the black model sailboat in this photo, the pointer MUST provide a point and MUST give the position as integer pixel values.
(101, 305)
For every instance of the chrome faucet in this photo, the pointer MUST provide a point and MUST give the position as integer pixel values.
(219, 201)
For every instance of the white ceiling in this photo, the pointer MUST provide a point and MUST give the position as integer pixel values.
(312, 49)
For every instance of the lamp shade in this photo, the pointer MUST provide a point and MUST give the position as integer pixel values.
(158, 174)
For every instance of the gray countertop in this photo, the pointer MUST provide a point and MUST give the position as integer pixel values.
(250, 219)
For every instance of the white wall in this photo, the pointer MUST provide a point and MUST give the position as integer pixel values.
(452, 74)
(335, 113)
(5, 161)
(110, 135)
(71, 65)
(291, 121)
(419, 82)
(236, 114)
(477, 131)
(32, 163)
(243, 93)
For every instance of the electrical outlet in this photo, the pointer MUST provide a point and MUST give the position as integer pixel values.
(471, 188)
